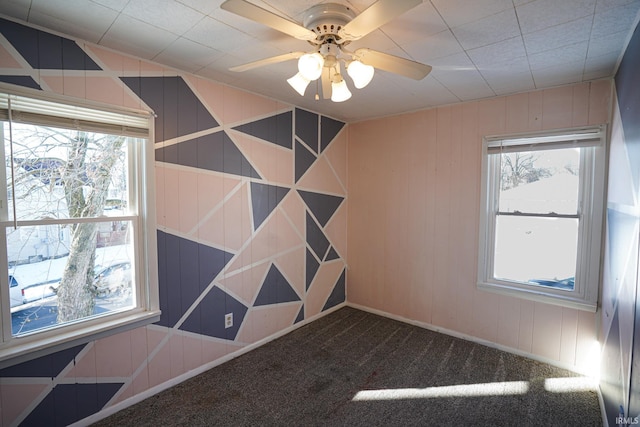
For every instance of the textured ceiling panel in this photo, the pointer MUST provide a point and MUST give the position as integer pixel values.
(477, 48)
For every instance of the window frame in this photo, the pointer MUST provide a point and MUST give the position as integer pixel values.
(592, 142)
(142, 180)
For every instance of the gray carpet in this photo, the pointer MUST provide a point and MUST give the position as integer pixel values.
(311, 376)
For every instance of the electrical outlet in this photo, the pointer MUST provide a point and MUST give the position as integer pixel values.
(228, 320)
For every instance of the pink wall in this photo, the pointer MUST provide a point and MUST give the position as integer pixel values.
(414, 188)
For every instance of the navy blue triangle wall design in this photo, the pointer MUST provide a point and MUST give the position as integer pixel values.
(275, 289)
(323, 206)
(185, 270)
(307, 128)
(329, 128)
(275, 129)
(45, 50)
(48, 366)
(26, 81)
(178, 110)
(300, 316)
(209, 317)
(215, 152)
(338, 295)
(303, 160)
(68, 403)
(332, 254)
(264, 199)
(312, 266)
(316, 238)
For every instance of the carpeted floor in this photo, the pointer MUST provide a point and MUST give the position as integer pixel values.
(353, 368)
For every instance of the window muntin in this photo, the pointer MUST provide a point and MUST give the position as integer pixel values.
(53, 194)
(541, 216)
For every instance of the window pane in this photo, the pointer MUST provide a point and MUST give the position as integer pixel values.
(60, 173)
(53, 285)
(534, 250)
(544, 181)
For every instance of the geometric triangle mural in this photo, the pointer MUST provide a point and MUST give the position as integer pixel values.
(68, 403)
(275, 129)
(338, 295)
(303, 160)
(312, 268)
(316, 238)
(185, 270)
(307, 128)
(198, 285)
(178, 110)
(264, 199)
(48, 366)
(209, 316)
(323, 206)
(214, 152)
(275, 289)
(329, 128)
(25, 81)
(45, 50)
(331, 255)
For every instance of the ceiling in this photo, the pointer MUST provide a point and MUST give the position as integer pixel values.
(478, 48)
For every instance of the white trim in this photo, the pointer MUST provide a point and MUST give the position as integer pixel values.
(199, 370)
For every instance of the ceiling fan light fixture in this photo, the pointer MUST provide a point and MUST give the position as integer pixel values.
(299, 83)
(360, 73)
(310, 65)
(339, 90)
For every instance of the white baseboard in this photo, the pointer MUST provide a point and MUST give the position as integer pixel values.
(197, 371)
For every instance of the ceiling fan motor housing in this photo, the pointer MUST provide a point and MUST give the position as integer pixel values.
(327, 19)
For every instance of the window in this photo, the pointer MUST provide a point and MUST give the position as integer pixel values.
(77, 235)
(541, 216)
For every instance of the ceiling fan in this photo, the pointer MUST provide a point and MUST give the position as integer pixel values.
(329, 28)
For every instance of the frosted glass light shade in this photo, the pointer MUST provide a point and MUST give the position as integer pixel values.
(339, 91)
(360, 73)
(310, 66)
(299, 83)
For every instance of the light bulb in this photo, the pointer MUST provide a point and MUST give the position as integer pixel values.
(339, 90)
(310, 65)
(360, 73)
(299, 83)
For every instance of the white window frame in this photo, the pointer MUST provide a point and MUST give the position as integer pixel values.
(33, 107)
(593, 147)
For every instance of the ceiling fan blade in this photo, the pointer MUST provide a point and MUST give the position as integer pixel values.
(256, 13)
(326, 82)
(266, 61)
(376, 16)
(393, 64)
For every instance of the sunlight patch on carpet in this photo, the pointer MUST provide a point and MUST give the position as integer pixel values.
(569, 385)
(462, 390)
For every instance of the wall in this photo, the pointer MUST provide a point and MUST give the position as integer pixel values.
(414, 188)
(251, 221)
(620, 379)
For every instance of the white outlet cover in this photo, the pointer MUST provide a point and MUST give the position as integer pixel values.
(228, 320)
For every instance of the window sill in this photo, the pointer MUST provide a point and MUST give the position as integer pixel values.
(540, 296)
(29, 347)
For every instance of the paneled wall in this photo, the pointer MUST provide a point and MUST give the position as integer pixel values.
(620, 379)
(251, 208)
(414, 189)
